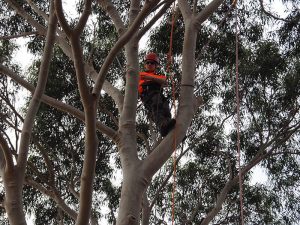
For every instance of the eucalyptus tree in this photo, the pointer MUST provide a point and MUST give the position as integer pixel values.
(269, 96)
(72, 154)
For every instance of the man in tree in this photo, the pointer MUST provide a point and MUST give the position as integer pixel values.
(151, 93)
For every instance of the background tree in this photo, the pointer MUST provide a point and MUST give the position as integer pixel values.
(63, 153)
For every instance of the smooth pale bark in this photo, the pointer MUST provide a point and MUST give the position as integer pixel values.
(132, 186)
(36, 98)
(64, 45)
(89, 165)
(186, 108)
(146, 210)
(13, 202)
(134, 182)
(90, 108)
(136, 174)
(12, 185)
(14, 175)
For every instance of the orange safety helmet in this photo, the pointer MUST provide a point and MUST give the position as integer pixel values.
(152, 56)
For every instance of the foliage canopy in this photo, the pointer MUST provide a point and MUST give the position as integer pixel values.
(207, 169)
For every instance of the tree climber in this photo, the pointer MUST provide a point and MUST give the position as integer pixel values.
(151, 93)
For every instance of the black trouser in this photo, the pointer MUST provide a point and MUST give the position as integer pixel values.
(157, 106)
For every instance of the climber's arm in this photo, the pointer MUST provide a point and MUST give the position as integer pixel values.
(156, 78)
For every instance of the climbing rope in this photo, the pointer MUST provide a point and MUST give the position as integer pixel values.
(238, 112)
(169, 64)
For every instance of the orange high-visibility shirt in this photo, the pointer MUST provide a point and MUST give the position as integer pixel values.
(145, 80)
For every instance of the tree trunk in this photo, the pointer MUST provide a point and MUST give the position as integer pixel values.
(134, 184)
(89, 165)
(13, 197)
(133, 189)
(146, 210)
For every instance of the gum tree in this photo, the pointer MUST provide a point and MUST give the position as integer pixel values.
(265, 133)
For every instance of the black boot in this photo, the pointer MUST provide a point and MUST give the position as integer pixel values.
(167, 126)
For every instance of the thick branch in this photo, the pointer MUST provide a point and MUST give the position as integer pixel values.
(42, 14)
(207, 11)
(155, 18)
(6, 159)
(84, 17)
(90, 109)
(114, 15)
(134, 10)
(161, 153)
(195, 7)
(187, 108)
(74, 36)
(36, 99)
(61, 17)
(145, 210)
(107, 87)
(37, 10)
(11, 146)
(112, 91)
(41, 29)
(185, 9)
